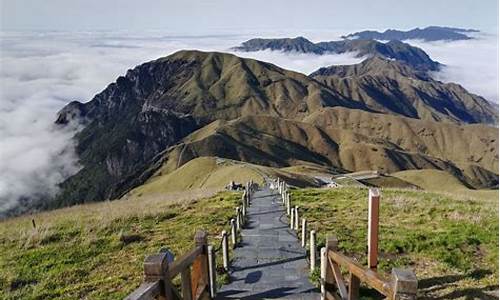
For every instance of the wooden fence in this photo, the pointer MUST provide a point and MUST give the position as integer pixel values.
(197, 267)
(401, 285)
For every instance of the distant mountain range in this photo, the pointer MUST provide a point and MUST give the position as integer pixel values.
(431, 33)
(380, 114)
(411, 55)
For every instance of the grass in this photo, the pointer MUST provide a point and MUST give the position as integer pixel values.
(96, 251)
(450, 241)
(441, 181)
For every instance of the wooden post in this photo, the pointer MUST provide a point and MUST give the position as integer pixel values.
(156, 268)
(373, 221)
(304, 231)
(312, 250)
(244, 204)
(296, 218)
(186, 288)
(288, 204)
(238, 219)
(404, 284)
(200, 276)
(233, 233)
(292, 215)
(354, 284)
(331, 244)
(211, 271)
(225, 251)
(323, 267)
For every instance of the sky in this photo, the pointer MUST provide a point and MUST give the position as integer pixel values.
(53, 52)
(202, 16)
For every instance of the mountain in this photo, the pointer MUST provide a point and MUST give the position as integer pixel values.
(394, 87)
(429, 34)
(192, 104)
(346, 140)
(411, 55)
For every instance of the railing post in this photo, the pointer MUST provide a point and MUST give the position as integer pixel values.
(288, 205)
(244, 205)
(292, 215)
(405, 284)
(354, 284)
(296, 218)
(200, 276)
(373, 221)
(238, 219)
(211, 271)
(156, 269)
(186, 288)
(233, 233)
(225, 251)
(312, 250)
(304, 231)
(331, 245)
(323, 267)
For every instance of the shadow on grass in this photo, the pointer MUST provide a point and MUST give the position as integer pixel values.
(434, 284)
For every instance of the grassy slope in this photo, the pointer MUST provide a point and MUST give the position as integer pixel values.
(215, 173)
(440, 181)
(96, 251)
(202, 172)
(452, 242)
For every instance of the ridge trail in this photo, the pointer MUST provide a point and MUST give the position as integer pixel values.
(269, 262)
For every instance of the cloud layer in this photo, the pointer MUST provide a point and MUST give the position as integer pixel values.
(41, 72)
(471, 63)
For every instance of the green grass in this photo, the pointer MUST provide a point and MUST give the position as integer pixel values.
(451, 242)
(97, 251)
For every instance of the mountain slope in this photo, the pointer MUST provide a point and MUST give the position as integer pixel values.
(393, 87)
(156, 105)
(411, 55)
(385, 144)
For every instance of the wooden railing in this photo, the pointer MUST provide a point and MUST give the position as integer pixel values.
(196, 279)
(402, 285)
(197, 267)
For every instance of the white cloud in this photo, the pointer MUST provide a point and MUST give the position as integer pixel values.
(302, 62)
(41, 72)
(471, 63)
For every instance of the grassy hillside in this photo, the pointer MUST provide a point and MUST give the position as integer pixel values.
(451, 241)
(439, 181)
(96, 251)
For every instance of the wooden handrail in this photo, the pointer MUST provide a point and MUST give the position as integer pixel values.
(147, 290)
(372, 278)
(402, 285)
(158, 274)
(184, 262)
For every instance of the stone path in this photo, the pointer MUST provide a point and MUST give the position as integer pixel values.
(269, 262)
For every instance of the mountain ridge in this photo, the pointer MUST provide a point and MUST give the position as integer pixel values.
(414, 56)
(156, 108)
(429, 34)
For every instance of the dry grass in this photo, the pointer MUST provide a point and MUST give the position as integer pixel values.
(450, 241)
(95, 251)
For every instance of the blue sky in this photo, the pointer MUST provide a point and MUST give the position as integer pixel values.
(205, 16)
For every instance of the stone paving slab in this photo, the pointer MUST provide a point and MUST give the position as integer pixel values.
(269, 263)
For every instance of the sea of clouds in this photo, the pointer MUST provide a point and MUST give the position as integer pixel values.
(40, 72)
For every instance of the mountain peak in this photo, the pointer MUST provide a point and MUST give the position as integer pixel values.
(430, 33)
(374, 65)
